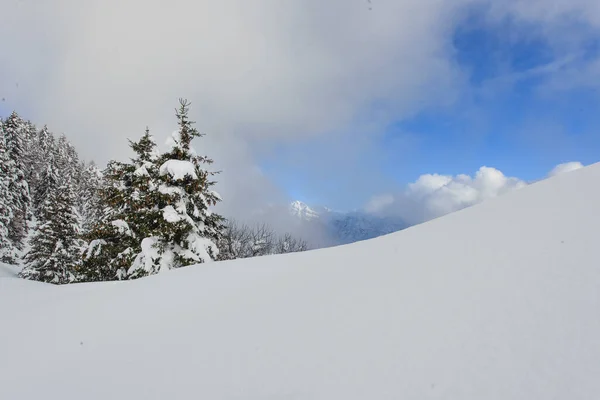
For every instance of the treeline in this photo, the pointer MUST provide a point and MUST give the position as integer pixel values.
(68, 221)
(245, 241)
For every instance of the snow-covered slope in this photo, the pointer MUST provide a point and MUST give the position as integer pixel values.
(498, 301)
(8, 271)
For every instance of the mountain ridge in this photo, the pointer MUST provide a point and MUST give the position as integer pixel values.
(346, 227)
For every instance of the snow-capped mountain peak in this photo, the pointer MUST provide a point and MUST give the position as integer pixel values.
(303, 211)
(345, 227)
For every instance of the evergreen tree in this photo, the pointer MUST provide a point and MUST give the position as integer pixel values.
(111, 242)
(55, 246)
(6, 247)
(67, 160)
(88, 196)
(30, 163)
(187, 231)
(146, 198)
(43, 150)
(15, 131)
(30, 160)
(130, 198)
(47, 183)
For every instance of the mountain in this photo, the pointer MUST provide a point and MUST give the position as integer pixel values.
(345, 228)
(302, 211)
(497, 301)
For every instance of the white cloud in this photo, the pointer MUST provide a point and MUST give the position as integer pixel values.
(434, 195)
(564, 168)
(438, 195)
(262, 69)
(256, 72)
(379, 203)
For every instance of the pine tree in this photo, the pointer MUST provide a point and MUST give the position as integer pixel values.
(146, 198)
(130, 198)
(88, 196)
(15, 131)
(30, 160)
(67, 159)
(47, 183)
(43, 150)
(111, 243)
(6, 247)
(188, 232)
(55, 247)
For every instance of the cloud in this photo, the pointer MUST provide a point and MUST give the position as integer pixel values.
(564, 168)
(434, 195)
(258, 73)
(379, 203)
(567, 27)
(262, 69)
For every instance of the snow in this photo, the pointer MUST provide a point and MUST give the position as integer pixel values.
(178, 169)
(145, 259)
(94, 248)
(174, 139)
(302, 211)
(174, 215)
(147, 165)
(171, 215)
(216, 195)
(9, 271)
(122, 227)
(171, 190)
(141, 171)
(199, 247)
(497, 301)
(565, 168)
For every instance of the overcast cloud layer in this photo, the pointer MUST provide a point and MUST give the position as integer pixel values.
(256, 72)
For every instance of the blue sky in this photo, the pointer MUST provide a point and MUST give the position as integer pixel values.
(504, 118)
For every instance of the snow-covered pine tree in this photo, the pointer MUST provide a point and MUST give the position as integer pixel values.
(111, 243)
(30, 160)
(188, 231)
(146, 198)
(55, 245)
(6, 247)
(88, 196)
(67, 159)
(47, 183)
(130, 198)
(15, 131)
(43, 150)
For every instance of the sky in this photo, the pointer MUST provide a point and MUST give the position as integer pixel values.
(388, 105)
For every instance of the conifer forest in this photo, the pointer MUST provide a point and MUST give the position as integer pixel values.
(65, 220)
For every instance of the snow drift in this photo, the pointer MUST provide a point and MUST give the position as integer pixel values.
(498, 301)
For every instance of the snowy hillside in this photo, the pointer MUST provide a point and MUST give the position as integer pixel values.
(8, 271)
(498, 301)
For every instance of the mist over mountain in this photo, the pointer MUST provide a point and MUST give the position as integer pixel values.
(345, 227)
